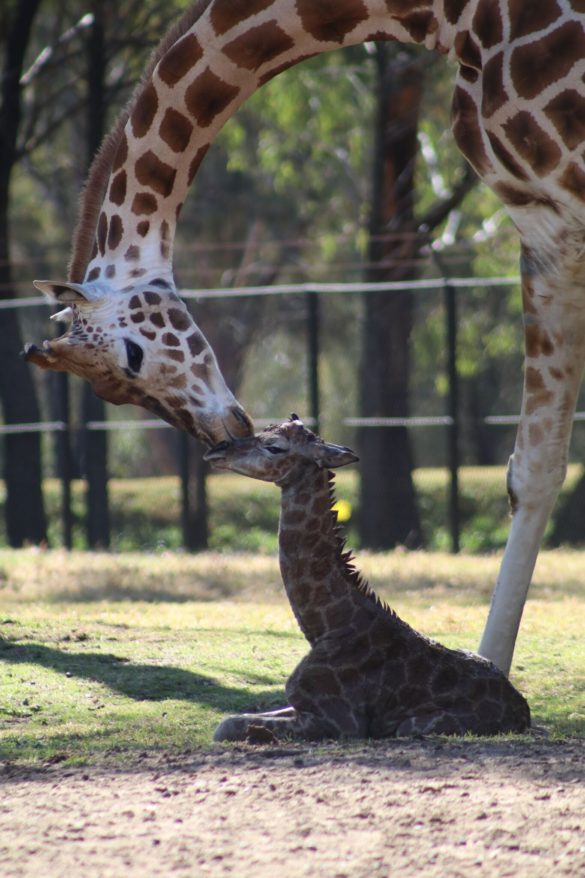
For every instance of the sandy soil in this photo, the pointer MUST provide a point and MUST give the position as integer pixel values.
(422, 808)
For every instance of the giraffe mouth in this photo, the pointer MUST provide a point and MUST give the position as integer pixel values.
(44, 357)
(217, 454)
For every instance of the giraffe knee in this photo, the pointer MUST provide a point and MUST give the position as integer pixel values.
(534, 486)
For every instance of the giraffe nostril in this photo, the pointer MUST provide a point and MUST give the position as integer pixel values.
(240, 416)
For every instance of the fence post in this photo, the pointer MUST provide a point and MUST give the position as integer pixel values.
(192, 473)
(453, 430)
(313, 342)
(64, 456)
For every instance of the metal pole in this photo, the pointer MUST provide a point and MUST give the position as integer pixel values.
(313, 342)
(453, 446)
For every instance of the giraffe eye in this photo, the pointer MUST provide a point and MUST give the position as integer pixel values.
(135, 355)
(274, 449)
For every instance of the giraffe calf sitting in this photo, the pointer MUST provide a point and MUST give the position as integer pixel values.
(368, 673)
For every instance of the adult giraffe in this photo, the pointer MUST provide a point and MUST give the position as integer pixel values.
(518, 117)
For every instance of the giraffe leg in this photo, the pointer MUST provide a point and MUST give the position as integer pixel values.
(554, 316)
(276, 725)
(238, 728)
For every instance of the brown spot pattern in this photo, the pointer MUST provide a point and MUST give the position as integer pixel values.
(157, 319)
(115, 231)
(453, 10)
(487, 23)
(118, 188)
(511, 195)
(567, 113)
(200, 371)
(418, 24)
(165, 240)
(573, 179)
(532, 143)
(121, 153)
(175, 129)
(535, 65)
(138, 317)
(208, 96)
(94, 273)
(329, 21)
(144, 111)
(171, 340)
(467, 50)
(143, 228)
(179, 60)
(144, 203)
(525, 18)
(179, 319)
(538, 395)
(258, 46)
(403, 7)
(467, 131)
(494, 93)
(110, 271)
(225, 14)
(537, 342)
(505, 157)
(148, 334)
(152, 298)
(196, 343)
(135, 302)
(132, 253)
(152, 172)
(102, 231)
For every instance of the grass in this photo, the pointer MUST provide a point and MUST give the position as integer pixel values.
(107, 655)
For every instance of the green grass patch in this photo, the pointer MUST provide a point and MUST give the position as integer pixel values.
(110, 655)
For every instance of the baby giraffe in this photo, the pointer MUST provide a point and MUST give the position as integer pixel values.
(368, 674)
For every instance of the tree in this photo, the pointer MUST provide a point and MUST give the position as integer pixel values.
(388, 510)
(25, 517)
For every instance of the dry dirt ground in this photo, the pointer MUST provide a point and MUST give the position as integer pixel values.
(401, 808)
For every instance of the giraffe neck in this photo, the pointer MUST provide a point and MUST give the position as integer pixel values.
(322, 585)
(218, 55)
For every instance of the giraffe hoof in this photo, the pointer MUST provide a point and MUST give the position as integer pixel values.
(260, 735)
(231, 729)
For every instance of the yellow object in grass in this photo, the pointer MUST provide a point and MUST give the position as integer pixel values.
(343, 509)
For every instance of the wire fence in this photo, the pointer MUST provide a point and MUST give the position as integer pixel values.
(313, 292)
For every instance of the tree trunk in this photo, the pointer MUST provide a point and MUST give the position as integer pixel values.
(569, 518)
(388, 509)
(25, 516)
(95, 442)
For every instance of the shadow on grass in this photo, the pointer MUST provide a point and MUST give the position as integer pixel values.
(138, 681)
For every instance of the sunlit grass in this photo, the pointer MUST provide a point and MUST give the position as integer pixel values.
(115, 654)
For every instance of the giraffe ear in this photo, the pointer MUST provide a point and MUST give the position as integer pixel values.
(68, 293)
(330, 456)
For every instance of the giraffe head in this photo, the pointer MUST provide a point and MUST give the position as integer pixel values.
(281, 453)
(141, 346)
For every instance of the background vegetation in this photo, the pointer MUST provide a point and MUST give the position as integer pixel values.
(286, 194)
